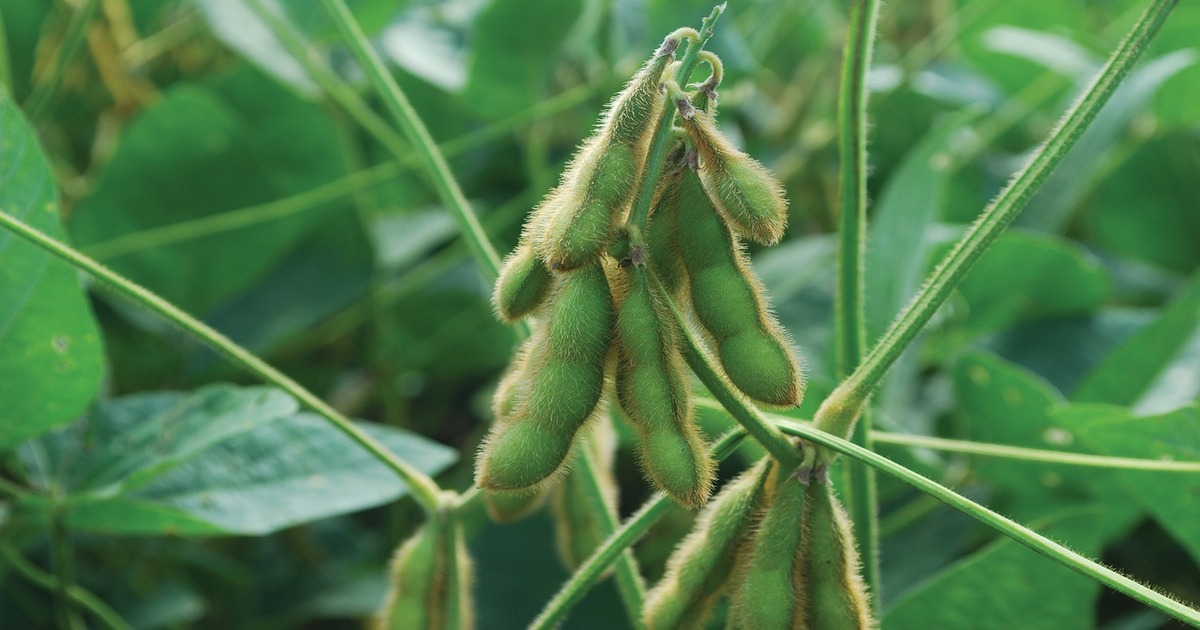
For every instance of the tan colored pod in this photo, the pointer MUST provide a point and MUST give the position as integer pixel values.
(700, 568)
(743, 190)
(431, 578)
(837, 596)
(574, 502)
(729, 303)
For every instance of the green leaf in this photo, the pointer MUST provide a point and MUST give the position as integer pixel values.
(1007, 586)
(1172, 498)
(1023, 276)
(516, 45)
(51, 357)
(223, 460)
(1149, 207)
(204, 150)
(1129, 371)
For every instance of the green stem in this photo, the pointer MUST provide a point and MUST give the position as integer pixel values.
(1032, 454)
(850, 320)
(423, 489)
(431, 158)
(839, 412)
(39, 98)
(614, 547)
(630, 583)
(1035, 541)
(661, 141)
(338, 90)
(77, 594)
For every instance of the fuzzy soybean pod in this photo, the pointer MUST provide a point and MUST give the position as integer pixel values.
(431, 581)
(743, 190)
(837, 597)
(601, 181)
(653, 390)
(729, 303)
(662, 243)
(523, 285)
(560, 382)
(771, 593)
(700, 568)
(575, 501)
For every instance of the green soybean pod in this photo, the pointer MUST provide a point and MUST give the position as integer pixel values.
(653, 390)
(574, 502)
(729, 304)
(637, 107)
(701, 567)
(770, 595)
(662, 244)
(523, 285)
(562, 380)
(430, 582)
(837, 597)
(743, 190)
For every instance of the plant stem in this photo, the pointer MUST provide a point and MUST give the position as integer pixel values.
(79, 595)
(850, 322)
(840, 410)
(431, 158)
(64, 610)
(40, 95)
(659, 143)
(590, 571)
(1033, 454)
(630, 583)
(1035, 541)
(423, 489)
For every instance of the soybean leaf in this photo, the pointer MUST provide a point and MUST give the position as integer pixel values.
(1024, 276)
(1129, 371)
(50, 350)
(1005, 404)
(1178, 102)
(222, 460)
(515, 46)
(241, 141)
(236, 24)
(1149, 207)
(1007, 586)
(1172, 498)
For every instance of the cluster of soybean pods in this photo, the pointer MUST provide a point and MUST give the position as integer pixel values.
(605, 288)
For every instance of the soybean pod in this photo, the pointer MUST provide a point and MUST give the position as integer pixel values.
(560, 383)
(575, 501)
(729, 303)
(653, 390)
(837, 597)
(431, 578)
(700, 568)
(771, 595)
(662, 243)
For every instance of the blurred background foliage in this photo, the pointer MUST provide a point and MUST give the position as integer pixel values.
(195, 155)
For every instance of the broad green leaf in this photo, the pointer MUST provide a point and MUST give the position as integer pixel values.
(200, 151)
(516, 44)
(1006, 586)
(1149, 207)
(1012, 73)
(1172, 498)
(1006, 404)
(1023, 276)
(50, 351)
(1130, 370)
(238, 26)
(223, 460)
(1178, 102)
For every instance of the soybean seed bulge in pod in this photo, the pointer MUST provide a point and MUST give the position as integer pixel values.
(638, 244)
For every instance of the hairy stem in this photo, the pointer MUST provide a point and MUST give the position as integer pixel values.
(85, 599)
(839, 412)
(850, 320)
(423, 488)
